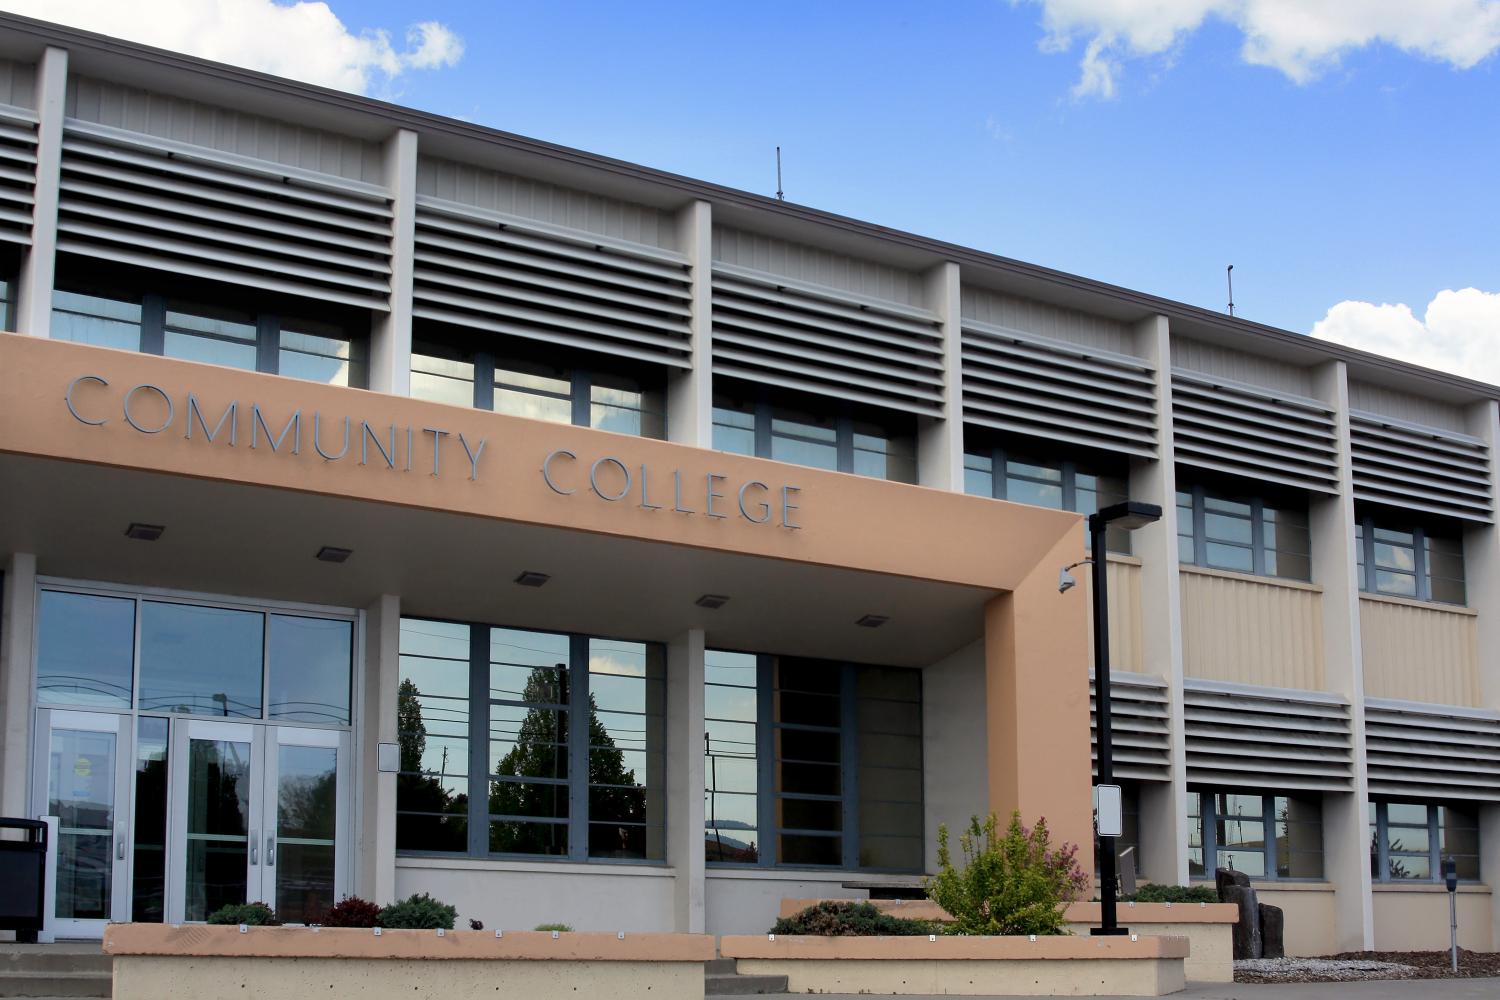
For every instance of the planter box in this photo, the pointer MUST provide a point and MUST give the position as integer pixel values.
(160, 962)
(966, 966)
(1209, 927)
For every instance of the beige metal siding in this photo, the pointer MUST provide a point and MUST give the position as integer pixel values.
(1420, 653)
(1251, 630)
(1225, 362)
(532, 199)
(1405, 406)
(1124, 580)
(817, 266)
(17, 84)
(182, 120)
(999, 309)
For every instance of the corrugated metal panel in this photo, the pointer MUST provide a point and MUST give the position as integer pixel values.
(18, 84)
(17, 173)
(180, 119)
(1049, 389)
(1010, 312)
(1420, 468)
(539, 201)
(1418, 653)
(1251, 630)
(1263, 435)
(1218, 361)
(1266, 738)
(161, 204)
(1405, 406)
(816, 266)
(1423, 754)
(1141, 726)
(773, 330)
(1125, 639)
(498, 273)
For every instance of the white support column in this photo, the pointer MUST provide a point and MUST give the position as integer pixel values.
(1482, 583)
(1163, 805)
(375, 838)
(685, 729)
(690, 393)
(39, 263)
(940, 442)
(390, 337)
(17, 615)
(1346, 833)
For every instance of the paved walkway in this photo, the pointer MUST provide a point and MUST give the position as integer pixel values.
(1420, 989)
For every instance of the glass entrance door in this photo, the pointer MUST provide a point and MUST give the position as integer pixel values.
(257, 816)
(85, 783)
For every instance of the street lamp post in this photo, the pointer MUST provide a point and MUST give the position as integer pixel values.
(1128, 516)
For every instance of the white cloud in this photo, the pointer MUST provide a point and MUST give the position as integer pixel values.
(1300, 38)
(1460, 332)
(301, 40)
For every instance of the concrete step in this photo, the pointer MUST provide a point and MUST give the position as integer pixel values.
(741, 986)
(55, 984)
(53, 958)
(719, 967)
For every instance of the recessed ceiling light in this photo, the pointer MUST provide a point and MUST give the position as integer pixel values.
(712, 601)
(144, 532)
(531, 578)
(333, 554)
(873, 621)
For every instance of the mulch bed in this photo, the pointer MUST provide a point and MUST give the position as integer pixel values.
(1413, 965)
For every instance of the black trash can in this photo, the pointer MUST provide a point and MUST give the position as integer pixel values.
(23, 872)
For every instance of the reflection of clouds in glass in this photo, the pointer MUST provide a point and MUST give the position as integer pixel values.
(533, 407)
(625, 659)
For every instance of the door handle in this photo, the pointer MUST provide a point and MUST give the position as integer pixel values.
(254, 848)
(270, 850)
(120, 840)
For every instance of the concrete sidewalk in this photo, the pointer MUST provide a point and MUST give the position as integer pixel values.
(1417, 989)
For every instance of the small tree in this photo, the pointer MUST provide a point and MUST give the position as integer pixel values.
(1015, 884)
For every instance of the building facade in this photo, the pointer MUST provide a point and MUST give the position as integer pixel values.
(389, 504)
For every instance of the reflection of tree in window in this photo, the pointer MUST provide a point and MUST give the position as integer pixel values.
(423, 792)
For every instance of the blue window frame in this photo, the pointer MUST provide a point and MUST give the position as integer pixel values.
(1410, 840)
(1266, 836)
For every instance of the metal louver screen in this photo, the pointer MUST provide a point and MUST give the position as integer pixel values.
(1050, 389)
(1273, 437)
(17, 173)
(1141, 727)
(1431, 754)
(1266, 738)
(1420, 468)
(487, 271)
(153, 202)
(802, 336)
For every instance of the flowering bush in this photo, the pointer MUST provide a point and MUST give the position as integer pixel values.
(1012, 884)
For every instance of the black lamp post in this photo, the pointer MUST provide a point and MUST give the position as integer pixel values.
(1127, 516)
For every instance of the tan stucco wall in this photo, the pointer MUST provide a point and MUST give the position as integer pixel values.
(1309, 917)
(1137, 978)
(1416, 917)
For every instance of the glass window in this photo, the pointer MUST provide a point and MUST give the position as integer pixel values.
(627, 695)
(805, 439)
(1424, 563)
(97, 320)
(210, 334)
(529, 695)
(320, 352)
(1410, 841)
(622, 405)
(734, 429)
(807, 430)
(85, 650)
(536, 392)
(201, 660)
(1060, 484)
(1196, 868)
(148, 879)
(439, 378)
(1243, 534)
(888, 724)
(308, 663)
(731, 820)
(1264, 836)
(1299, 837)
(432, 732)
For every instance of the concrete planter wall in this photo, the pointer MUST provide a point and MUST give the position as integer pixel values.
(966, 966)
(160, 962)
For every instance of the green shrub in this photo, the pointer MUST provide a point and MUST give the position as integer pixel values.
(832, 917)
(253, 914)
(352, 912)
(1012, 884)
(419, 912)
(1151, 892)
(552, 927)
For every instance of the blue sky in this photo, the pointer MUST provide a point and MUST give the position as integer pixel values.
(1342, 154)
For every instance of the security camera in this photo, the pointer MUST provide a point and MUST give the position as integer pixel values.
(1065, 581)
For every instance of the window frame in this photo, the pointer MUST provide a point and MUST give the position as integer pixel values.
(1365, 527)
(1198, 532)
(848, 422)
(578, 748)
(1434, 853)
(1069, 469)
(1208, 833)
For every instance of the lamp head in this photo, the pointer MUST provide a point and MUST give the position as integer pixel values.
(1126, 516)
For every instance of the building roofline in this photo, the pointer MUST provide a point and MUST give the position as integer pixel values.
(1193, 319)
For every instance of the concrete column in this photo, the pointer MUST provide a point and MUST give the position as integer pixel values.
(1346, 820)
(1482, 583)
(390, 335)
(39, 263)
(17, 615)
(685, 729)
(940, 442)
(1164, 832)
(690, 393)
(1036, 648)
(375, 820)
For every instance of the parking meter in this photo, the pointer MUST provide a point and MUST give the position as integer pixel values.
(1450, 876)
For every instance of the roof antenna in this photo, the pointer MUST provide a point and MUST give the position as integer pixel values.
(1229, 275)
(779, 195)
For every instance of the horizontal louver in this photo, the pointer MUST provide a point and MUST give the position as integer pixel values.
(487, 271)
(1425, 755)
(1141, 727)
(1419, 468)
(1058, 391)
(1266, 738)
(17, 172)
(802, 336)
(168, 205)
(1229, 427)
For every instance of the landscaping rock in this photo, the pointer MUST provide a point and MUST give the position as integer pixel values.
(1247, 940)
(1272, 926)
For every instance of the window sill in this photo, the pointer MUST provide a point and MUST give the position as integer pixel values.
(1429, 887)
(1124, 560)
(459, 863)
(1267, 581)
(1410, 602)
(1292, 885)
(802, 874)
